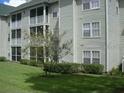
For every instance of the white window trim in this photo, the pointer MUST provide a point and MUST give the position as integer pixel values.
(91, 34)
(36, 24)
(90, 7)
(16, 21)
(91, 55)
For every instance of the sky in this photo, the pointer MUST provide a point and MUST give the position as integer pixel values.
(12, 2)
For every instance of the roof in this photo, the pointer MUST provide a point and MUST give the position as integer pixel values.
(32, 3)
(5, 9)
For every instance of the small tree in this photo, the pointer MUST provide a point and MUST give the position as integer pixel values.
(51, 41)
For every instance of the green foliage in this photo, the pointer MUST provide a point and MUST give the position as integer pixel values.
(115, 72)
(28, 62)
(25, 61)
(92, 68)
(33, 63)
(73, 68)
(64, 68)
(120, 67)
(3, 59)
(27, 79)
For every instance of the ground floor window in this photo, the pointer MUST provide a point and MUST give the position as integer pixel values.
(16, 53)
(91, 57)
(37, 53)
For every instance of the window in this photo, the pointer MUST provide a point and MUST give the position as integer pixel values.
(16, 53)
(91, 57)
(39, 30)
(16, 21)
(13, 18)
(90, 4)
(36, 30)
(16, 33)
(95, 29)
(86, 4)
(55, 14)
(33, 13)
(87, 29)
(36, 15)
(37, 54)
(96, 57)
(91, 29)
(18, 16)
(40, 54)
(13, 34)
(87, 57)
(39, 11)
(32, 31)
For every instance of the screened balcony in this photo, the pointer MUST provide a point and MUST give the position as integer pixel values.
(39, 15)
(16, 21)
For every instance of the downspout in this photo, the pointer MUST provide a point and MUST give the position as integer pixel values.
(106, 35)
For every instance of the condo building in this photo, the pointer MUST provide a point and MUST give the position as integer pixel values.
(96, 28)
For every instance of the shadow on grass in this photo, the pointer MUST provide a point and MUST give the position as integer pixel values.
(76, 84)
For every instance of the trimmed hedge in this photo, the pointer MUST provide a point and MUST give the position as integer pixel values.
(64, 68)
(25, 61)
(33, 63)
(93, 68)
(30, 62)
(3, 59)
(69, 68)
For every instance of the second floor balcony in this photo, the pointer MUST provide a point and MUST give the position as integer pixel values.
(16, 25)
(39, 15)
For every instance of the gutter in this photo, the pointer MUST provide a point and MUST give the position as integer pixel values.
(106, 36)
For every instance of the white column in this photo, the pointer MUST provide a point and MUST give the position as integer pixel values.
(44, 13)
(44, 22)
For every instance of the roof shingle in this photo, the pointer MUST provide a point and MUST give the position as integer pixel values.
(5, 9)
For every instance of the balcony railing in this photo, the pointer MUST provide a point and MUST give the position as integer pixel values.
(16, 42)
(46, 18)
(33, 20)
(16, 25)
(19, 41)
(40, 19)
(13, 25)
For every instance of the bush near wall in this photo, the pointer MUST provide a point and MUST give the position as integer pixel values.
(69, 68)
(24, 61)
(30, 62)
(3, 59)
(64, 68)
(93, 68)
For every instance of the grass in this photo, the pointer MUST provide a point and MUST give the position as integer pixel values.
(16, 78)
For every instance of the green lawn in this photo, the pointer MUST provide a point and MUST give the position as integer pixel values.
(16, 78)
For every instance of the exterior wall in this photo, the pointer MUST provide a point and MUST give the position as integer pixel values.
(54, 21)
(121, 8)
(70, 20)
(113, 34)
(25, 26)
(66, 24)
(25, 30)
(88, 16)
(4, 36)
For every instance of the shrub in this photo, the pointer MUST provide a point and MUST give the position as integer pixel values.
(93, 68)
(64, 68)
(25, 61)
(3, 59)
(33, 63)
(115, 72)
